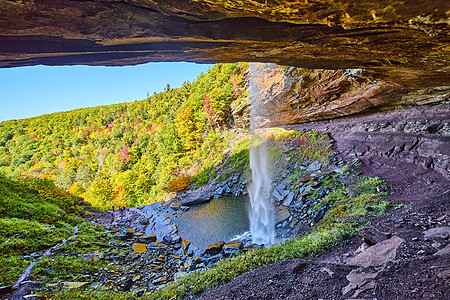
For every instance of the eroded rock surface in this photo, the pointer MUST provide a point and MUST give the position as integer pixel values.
(400, 39)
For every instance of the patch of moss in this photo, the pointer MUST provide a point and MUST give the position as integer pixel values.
(10, 268)
(65, 268)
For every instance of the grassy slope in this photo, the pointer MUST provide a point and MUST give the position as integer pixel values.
(34, 215)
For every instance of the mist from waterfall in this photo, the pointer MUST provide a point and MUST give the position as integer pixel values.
(262, 227)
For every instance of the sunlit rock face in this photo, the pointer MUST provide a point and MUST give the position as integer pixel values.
(400, 45)
(296, 95)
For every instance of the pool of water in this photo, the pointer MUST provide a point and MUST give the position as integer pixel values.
(218, 220)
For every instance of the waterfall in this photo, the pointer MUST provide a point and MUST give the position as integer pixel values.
(260, 189)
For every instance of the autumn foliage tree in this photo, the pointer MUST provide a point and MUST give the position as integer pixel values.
(125, 154)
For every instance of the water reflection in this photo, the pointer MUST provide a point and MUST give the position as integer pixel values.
(219, 220)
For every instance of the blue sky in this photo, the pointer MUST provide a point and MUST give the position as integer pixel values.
(32, 91)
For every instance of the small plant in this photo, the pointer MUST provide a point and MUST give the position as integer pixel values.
(400, 205)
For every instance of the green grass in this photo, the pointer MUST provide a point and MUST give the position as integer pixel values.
(10, 268)
(91, 237)
(18, 235)
(34, 216)
(65, 268)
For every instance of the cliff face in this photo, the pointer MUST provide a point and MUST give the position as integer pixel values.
(298, 95)
(313, 34)
(401, 47)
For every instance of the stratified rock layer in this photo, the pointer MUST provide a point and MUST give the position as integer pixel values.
(314, 34)
(398, 43)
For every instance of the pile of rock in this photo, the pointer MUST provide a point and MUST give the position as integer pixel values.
(298, 200)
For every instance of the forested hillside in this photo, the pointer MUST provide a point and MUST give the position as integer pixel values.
(131, 153)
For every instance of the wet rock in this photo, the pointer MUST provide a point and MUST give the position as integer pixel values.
(167, 240)
(226, 189)
(175, 206)
(281, 214)
(176, 239)
(143, 221)
(289, 199)
(214, 248)
(147, 238)
(277, 195)
(233, 246)
(218, 193)
(139, 247)
(185, 245)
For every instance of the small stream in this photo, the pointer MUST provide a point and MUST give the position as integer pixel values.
(218, 220)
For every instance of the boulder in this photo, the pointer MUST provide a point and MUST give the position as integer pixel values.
(167, 240)
(147, 238)
(444, 251)
(176, 239)
(281, 214)
(372, 236)
(289, 199)
(277, 195)
(226, 189)
(214, 248)
(233, 246)
(438, 232)
(197, 197)
(314, 166)
(139, 247)
(379, 254)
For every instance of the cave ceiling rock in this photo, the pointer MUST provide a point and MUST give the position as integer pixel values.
(401, 45)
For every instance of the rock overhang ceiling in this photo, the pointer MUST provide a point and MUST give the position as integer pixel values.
(402, 45)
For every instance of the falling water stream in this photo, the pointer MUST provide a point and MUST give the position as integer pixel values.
(261, 211)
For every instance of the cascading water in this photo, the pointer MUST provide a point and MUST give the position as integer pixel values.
(261, 212)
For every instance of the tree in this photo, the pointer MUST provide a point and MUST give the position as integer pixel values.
(100, 194)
